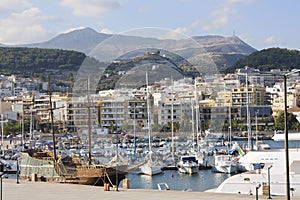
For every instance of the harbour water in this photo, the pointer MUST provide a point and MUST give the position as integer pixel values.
(204, 180)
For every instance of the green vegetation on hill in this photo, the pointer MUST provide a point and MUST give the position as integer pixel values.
(267, 59)
(111, 75)
(22, 60)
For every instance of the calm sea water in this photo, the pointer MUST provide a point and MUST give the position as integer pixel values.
(204, 180)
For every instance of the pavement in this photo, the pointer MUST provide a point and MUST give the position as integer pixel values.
(27, 190)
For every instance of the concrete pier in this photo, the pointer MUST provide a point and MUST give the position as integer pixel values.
(55, 191)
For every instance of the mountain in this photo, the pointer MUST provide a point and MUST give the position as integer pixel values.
(225, 51)
(83, 40)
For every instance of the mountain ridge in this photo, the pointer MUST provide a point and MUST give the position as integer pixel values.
(224, 50)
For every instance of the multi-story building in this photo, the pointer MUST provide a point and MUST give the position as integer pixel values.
(112, 112)
(256, 95)
(169, 109)
(77, 114)
(217, 116)
(137, 112)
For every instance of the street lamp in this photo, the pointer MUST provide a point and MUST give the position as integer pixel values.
(269, 184)
(286, 140)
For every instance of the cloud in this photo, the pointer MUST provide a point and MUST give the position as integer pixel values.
(13, 5)
(272, 41)
(177, 34)
(74, 29)
(179, 31)
(223, 14)
(106, 31)
(246, 38)
(220, 17)
(90, 8)
(24, 27)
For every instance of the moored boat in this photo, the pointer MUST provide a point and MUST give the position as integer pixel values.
(188, 165)
(273, 162)
(66, 170)
(280, 136)
(151, 168)
(225, 164)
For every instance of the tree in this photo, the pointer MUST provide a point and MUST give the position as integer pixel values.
(176, 126)
(234, 124)
(297, 126)
(291, 118)
(11, 128)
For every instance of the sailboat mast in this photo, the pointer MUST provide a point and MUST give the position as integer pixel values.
(134, 131)
(51, 116)
(89, 123)
(197, 113)
(172, 118)
(248, 116)
(193, 124)
(230, 125)
(148, 112)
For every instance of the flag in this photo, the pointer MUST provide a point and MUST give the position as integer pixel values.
(240, 151)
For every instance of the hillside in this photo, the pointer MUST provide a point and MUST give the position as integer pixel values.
(133, 71)
(28, 61)
(267, 59)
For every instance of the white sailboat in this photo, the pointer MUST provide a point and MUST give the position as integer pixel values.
(189, 164)
(151, 167)
(170, 160)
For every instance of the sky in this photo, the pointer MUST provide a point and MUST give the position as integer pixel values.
(260, 23)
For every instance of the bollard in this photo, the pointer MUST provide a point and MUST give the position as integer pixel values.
(106, 187)
(33, 177)
(126, 184)
(265, 188)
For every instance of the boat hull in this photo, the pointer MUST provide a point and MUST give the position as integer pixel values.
(246, 183)
(229, 169)
(188, 165)
(225, 164)
(188, 169)
(45, 169)
(151, 169)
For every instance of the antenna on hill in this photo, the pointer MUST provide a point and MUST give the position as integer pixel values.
(233, 33)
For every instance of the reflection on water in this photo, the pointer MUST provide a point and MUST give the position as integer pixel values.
(204, 180)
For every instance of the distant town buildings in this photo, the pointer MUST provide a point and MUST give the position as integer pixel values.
(199, 104)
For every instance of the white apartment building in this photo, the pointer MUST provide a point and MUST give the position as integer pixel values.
(77, 113)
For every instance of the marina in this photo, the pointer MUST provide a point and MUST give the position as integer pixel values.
(203, 180)
(89, 110)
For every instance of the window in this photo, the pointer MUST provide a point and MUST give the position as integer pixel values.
(246, 179)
